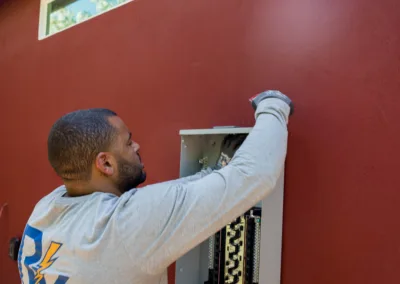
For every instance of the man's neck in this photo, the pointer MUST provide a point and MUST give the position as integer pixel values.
(81, 188)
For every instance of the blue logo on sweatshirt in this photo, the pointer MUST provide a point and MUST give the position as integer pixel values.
(37, 264)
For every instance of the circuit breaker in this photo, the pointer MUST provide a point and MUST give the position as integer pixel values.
(234, 252)
(247, 250)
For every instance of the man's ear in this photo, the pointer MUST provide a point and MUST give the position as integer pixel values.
(105, 163)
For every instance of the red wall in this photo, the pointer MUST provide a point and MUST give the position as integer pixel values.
(168, 65)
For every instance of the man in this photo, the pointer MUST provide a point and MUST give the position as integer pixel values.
(98, 228)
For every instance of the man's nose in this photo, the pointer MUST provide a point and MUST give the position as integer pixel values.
(136, 146)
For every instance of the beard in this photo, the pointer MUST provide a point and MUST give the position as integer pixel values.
(129, 175)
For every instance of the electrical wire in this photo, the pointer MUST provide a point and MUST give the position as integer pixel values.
(1, 208)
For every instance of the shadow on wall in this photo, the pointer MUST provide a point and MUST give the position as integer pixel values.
(4, 2)
(4, 223)
(14, 243)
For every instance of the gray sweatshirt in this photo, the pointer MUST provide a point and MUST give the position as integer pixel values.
(132, 239)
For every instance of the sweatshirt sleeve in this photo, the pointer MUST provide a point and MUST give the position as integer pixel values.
(162, 222)
(194, 177)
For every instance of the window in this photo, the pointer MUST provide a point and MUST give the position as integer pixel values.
(58, 15)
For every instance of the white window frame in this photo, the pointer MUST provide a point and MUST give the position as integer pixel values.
(43, 17)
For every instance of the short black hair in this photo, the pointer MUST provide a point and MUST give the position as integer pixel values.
(75, 140)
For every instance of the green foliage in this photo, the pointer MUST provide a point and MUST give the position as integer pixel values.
(103, 5)
(61, 19)
(82, 15)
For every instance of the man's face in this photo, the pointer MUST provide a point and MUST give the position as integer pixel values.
(130, 169)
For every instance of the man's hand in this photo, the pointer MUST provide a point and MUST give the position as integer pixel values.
(271, 94)
(228, 148)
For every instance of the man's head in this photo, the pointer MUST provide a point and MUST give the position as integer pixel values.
(94, 147)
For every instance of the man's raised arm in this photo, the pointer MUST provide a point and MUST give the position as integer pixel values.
(176, 217)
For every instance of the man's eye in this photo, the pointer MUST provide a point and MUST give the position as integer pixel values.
(130, 143)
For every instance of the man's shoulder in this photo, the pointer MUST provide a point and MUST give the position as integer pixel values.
(56, 207)
(52, 195)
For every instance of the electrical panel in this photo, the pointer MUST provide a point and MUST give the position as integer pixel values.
(234, 252)
(248, 249)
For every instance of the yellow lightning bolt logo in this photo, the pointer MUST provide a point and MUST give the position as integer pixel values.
(47, 261)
